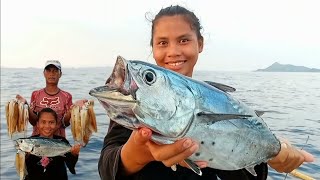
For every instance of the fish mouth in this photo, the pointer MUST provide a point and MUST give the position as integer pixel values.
(104, 93)
(120, 86)
(119, 74)
(118, 94)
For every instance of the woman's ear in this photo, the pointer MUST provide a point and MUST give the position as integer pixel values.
(200, 44)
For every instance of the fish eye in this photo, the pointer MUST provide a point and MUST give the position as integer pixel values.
(149, 77)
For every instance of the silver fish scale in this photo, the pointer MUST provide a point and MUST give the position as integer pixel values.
(223, 152)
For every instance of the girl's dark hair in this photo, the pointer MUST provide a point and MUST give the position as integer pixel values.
(48, 110)
(178, 10)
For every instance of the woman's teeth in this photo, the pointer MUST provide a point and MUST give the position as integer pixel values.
(176, 63)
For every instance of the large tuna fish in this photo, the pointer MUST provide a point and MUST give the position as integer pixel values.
(231, 136)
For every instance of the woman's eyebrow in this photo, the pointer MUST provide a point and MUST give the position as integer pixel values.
(185, 36)
(161, 38)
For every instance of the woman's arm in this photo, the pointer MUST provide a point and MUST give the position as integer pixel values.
(110, 166)
(126, 152)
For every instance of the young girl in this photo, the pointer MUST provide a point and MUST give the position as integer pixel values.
(50, 167)
(176, 43)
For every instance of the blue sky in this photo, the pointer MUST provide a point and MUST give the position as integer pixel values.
(239, 35)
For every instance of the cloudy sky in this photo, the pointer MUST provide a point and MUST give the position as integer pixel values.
(239, 35)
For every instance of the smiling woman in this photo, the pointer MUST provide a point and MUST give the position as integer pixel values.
(176, 43)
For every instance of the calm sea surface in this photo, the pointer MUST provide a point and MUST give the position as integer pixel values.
(291, 99)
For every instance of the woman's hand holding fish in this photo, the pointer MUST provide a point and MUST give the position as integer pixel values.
(75, 149)
(139, 150)
(289, 158)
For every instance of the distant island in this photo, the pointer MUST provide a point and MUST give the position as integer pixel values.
(277, 67)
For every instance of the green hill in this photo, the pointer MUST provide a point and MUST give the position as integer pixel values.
(277, 67)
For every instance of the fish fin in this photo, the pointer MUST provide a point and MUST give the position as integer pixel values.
(213, 117)
(193, 166)
(259, 113)
(222, 87)
(251, 170)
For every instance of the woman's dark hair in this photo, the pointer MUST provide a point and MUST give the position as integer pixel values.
(48, 110)
(178, 10)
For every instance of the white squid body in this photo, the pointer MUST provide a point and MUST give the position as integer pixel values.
(21, 165)
(17, 115)
(83, 122)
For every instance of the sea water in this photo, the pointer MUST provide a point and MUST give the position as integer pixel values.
(291, 102)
